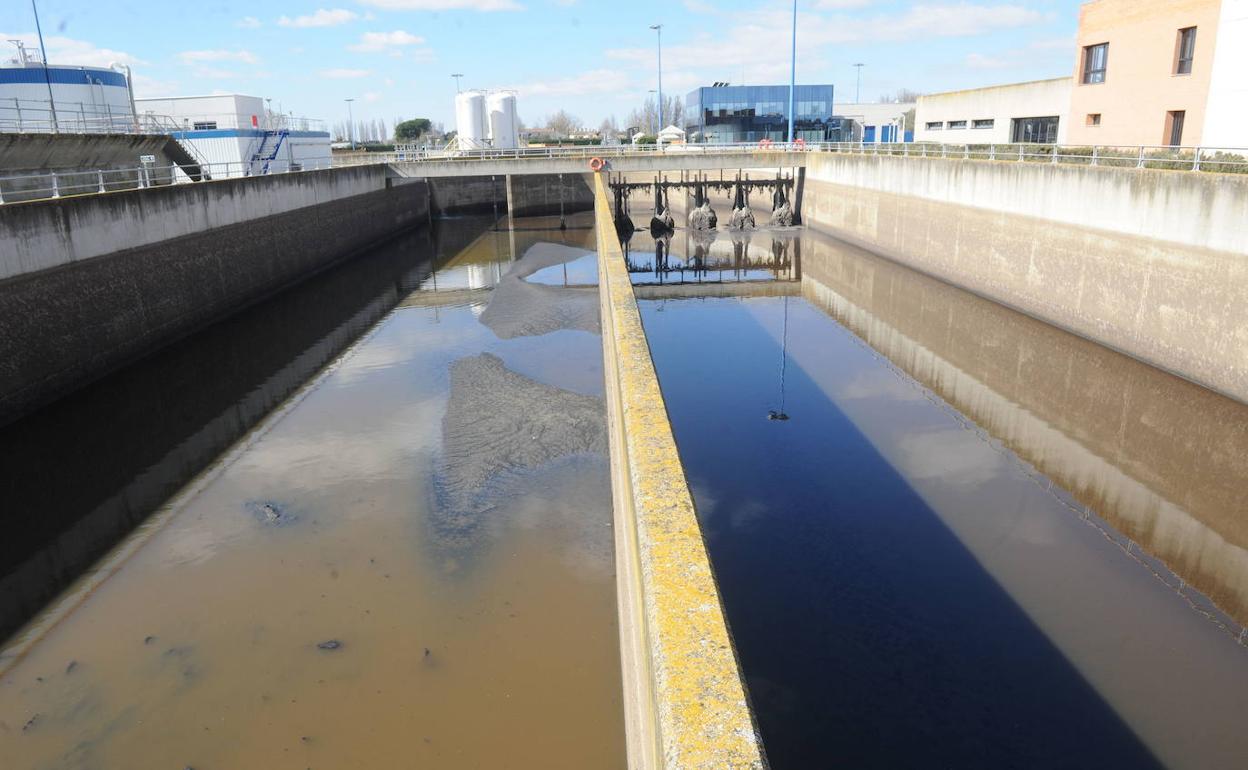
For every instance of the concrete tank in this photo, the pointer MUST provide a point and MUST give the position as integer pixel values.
(87, 99)
(504, 125)
(471, 121)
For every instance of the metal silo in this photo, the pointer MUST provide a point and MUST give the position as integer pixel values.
(504, 125)
(471, 121)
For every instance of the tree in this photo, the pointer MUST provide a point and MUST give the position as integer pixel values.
(411, 130)
(647, 118)
(562, 124)
(903, 96)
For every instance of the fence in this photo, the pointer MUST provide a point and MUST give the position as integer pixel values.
(37, 116)
(58, 184)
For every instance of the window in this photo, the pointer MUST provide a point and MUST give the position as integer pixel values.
(954, 125)
(984, 123)
(1186, 51)
(1174, 127)
(1035, 130)
(1095, 62)
(935, 126)
(205, 125)
(1094, 119)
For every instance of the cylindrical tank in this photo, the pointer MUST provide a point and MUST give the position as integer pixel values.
(471, 124)
(87, 99)
(504, 125)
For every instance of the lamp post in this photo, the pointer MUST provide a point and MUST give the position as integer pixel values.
(47, 75)
(659, 29)
(793, 72)
(457, 76)
(651, 126)
(858, 95)
(350, 124)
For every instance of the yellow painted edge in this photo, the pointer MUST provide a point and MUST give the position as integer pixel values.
(694, 708)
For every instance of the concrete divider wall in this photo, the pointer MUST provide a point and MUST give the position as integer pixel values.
(44, 234)
(116, 289)
(529, 195)
(684, 697)
(1151, 263)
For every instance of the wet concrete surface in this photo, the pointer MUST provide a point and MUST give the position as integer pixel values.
(974, 542)
(398, 566)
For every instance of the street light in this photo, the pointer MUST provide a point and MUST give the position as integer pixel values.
(350, 124)
(659, 29)
(47, 74)
(858, 95)
(793, 72)
(457, 76)
(651, 126)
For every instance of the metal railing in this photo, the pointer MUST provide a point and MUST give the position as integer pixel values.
(57, 184)
(62, 184)
(36, 116)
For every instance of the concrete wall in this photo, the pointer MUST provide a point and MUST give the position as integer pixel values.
(41, 154)
(1001, 104)
(94, 282)
(1151, 263)
(527, 195)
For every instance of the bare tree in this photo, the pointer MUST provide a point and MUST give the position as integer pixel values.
(647, 117)
(561, 124)
(902, 96)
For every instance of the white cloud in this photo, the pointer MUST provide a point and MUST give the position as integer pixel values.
(372, 96)
(592, 82)
(67, 50)
(343, 73)
(322, 17)
(978, 61)
(248, 22)
(372, 42)
(445, 5)
(218, 54)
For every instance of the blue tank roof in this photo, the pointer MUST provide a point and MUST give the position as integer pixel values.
(62, 75)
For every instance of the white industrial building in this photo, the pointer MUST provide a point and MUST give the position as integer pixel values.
(1034, 112)
(875, 123)
(239, 136)
(70, 99)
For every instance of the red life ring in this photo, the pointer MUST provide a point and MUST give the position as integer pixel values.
(800, 143)
(596, 164)
(764, 143)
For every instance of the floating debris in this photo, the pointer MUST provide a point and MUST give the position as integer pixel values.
(269, 513)
(332, 644)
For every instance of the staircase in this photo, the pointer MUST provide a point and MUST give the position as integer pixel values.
(265, 155)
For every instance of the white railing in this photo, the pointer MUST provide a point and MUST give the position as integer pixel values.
(59, 184)
(35, 116)
(62, 184)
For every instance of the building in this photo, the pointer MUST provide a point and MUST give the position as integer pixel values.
(876, 123)
(725, 114)
(34, 97)
(239, 135)
(1161, 72)
(1034, 112)
(1146, 73)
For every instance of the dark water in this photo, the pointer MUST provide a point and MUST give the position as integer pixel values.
(905, 587)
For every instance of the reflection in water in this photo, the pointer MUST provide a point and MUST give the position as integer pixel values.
(299, 605)
(934, 600)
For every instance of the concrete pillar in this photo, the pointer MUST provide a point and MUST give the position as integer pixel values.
(511, 205)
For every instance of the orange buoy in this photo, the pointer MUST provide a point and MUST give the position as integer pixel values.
(596, 164)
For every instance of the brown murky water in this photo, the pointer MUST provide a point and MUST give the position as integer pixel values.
(408, 564)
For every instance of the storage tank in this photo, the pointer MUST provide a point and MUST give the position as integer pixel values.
(471, 123)
(504, 125)
(87, 99)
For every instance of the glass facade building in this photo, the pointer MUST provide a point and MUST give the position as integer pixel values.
(726, 114)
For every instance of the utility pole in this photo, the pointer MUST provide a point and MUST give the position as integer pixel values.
(457, 76)
(350, 123)
(858, 95)
(659, 29)
(47, 75)
(793, 72)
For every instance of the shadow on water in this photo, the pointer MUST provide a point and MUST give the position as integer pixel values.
(869, 634)
(83, 472)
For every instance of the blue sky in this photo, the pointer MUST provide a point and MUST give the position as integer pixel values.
(592, 58)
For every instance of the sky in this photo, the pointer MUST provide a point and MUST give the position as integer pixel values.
(591, 58)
